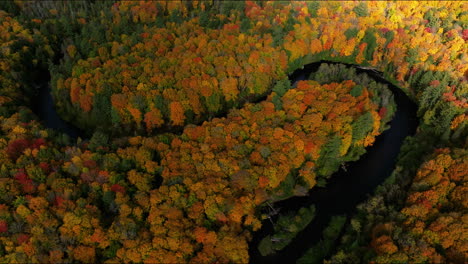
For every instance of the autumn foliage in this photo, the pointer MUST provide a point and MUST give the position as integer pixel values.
(166, 74)
(142, 67)
(435, 214)
(188, 69)
(231, 166)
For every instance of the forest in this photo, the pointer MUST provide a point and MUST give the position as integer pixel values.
(192, 132)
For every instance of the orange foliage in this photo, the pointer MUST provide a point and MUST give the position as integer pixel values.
(177, 113)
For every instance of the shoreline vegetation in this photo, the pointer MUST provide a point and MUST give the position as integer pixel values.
(286, 227)
(130, 73)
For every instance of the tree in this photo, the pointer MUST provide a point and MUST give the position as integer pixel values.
(177, 113)
(98, 140)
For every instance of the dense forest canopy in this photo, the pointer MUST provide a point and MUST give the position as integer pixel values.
(194, 126)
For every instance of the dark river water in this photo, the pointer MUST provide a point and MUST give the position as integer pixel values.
(43, 106)
(345, 189)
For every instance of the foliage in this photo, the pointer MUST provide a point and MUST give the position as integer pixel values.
(320, 250)
(286, 228)
(99, 199)
(147, 67)
(433, 214)
(426, 227)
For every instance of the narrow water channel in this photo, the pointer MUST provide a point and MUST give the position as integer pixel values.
(345, 189)
(43, 106)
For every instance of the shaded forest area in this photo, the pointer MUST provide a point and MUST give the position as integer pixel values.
(194, 127)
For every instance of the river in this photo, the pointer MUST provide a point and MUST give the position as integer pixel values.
(345, 189)
(43, 106)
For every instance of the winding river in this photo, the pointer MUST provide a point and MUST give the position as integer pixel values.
(345, 189)
(43, 106)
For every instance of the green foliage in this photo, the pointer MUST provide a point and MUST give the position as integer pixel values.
(115, 118)
(36, 174)
(362, 126)
(26, 115)
(328, 73)
(357, 90)
(110, 161)
(313, 6)
(422, 80)
(205, 19)
(329, 160)
(286, 228)
(351, 33)
(286, 188)
(371, 40)
(256, 108)
(111, 251)
(10, 7)
(20, 200)
(389, 35)
(108, 199)
(278, 34)
(295, 64)
(101, 112)
(320, 250)
(98, 140)
(245, 25)
(177, 18)
(290, 22)
(281, 87)
(412, 57)
(228, 7)
(431, 93)
(277, 102)
(265, 247)
(433, 21)
(361, 9)
(213, 103)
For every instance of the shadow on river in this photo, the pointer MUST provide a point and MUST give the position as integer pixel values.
(345, 189)
(43, 106)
